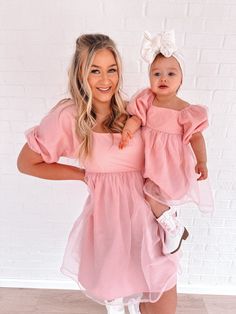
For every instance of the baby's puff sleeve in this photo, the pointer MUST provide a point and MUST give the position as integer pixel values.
(139, 104)
(194, 119)
(55, 136)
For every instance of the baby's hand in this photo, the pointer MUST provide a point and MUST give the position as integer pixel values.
(125, 137)
(201, 169)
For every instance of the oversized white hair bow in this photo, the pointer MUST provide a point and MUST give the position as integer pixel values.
(163, 43)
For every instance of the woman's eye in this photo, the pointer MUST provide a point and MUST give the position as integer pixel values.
(112, 70)
(95, 71)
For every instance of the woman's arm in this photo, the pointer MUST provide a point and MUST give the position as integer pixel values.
(31, 163)
(199, 148)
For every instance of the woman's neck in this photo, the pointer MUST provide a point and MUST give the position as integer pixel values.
(102, 108)
(101, 111)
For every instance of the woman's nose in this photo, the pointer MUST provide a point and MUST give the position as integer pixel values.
(104, 77)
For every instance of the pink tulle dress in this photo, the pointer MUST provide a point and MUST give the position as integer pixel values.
(114, 249)
(169, 160)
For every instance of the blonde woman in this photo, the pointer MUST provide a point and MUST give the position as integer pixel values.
(114, 248)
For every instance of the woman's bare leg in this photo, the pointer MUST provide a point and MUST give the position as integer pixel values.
(165, 305)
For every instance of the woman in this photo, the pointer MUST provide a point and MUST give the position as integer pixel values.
(114, 248)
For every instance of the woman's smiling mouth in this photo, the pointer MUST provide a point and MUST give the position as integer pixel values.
(104, 89)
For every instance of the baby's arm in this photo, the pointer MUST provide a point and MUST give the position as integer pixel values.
(131, 126)
(199, 148)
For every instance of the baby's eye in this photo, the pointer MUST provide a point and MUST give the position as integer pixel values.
(95, 71)
(171, 73)
(157, 73)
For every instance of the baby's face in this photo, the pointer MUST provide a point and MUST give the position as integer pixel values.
(165, 76)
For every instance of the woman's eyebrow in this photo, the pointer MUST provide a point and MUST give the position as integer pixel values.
(97, 66)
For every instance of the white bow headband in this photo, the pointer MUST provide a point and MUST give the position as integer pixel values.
(163, 43)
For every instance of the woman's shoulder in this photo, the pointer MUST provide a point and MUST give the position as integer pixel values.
(65, 107)
(64, 104)
(62, 115)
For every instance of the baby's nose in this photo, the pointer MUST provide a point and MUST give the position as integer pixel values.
(163, 78)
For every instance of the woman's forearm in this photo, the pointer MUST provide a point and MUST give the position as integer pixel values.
(32, 163)
(54, 171)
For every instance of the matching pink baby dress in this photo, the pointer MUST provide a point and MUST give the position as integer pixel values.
(169, 160)
(115, 246)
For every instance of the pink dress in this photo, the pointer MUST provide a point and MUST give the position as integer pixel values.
(114, 249)
(169, 160)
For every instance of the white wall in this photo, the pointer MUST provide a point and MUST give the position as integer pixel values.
(36, 43)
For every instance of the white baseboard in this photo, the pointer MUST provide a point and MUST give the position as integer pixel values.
(39, 284)
(70, 285)
(211, 290)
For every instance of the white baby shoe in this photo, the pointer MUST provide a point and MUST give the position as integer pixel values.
(174, 232)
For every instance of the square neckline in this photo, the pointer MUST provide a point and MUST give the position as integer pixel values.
(152, 105)
(171, 108)
(94, 132)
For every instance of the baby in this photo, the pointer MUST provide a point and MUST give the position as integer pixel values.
(175, 150)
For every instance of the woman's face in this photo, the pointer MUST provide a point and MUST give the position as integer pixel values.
(103, 77)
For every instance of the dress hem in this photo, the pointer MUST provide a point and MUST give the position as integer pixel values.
(134, 300)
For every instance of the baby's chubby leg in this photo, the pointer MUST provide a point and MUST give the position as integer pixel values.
(157, 207)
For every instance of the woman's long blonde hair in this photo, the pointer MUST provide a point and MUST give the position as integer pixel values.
(86, 47)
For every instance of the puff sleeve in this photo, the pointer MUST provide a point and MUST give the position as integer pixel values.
(55, 136)
(139, 104)
(193, 119)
